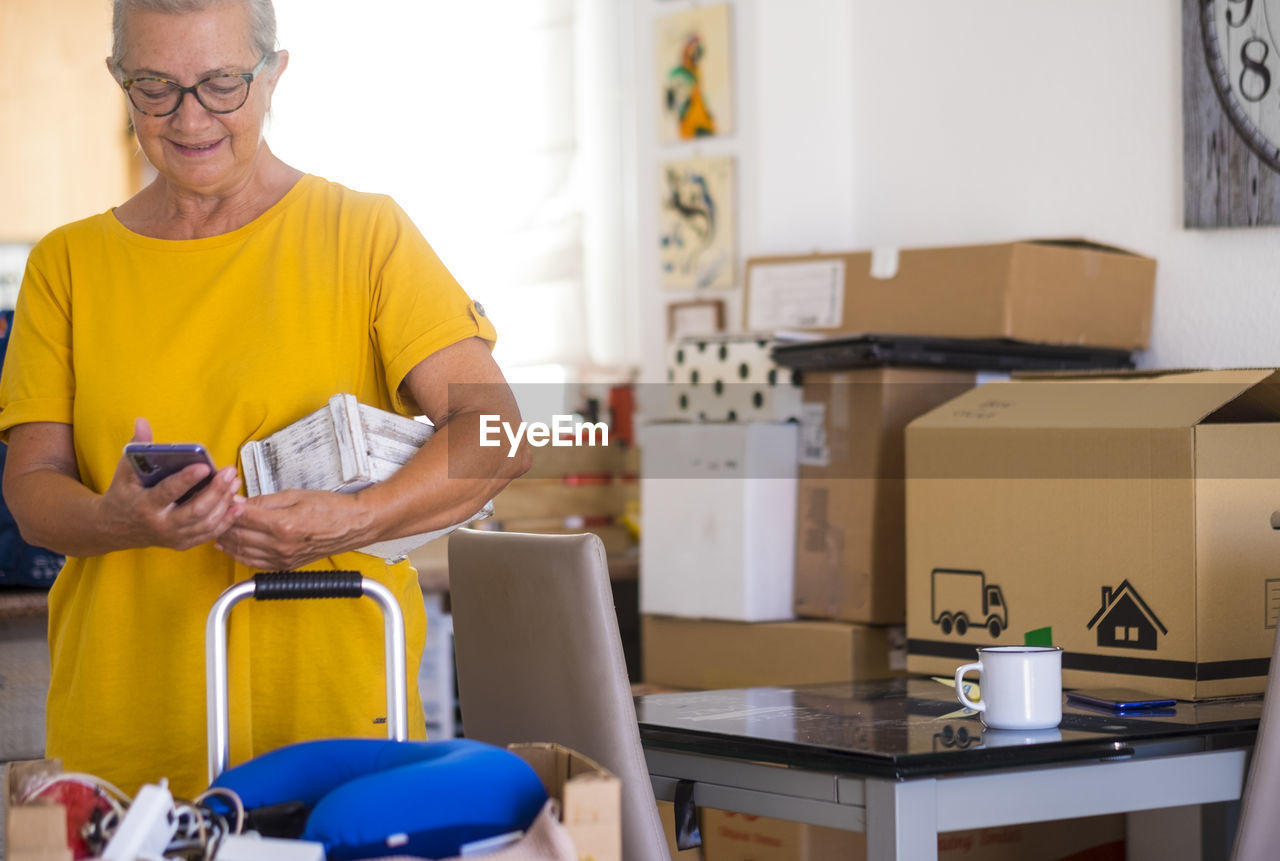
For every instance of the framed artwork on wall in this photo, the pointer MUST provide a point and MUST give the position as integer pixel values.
(693, 64)
(1230, 113)
(695, 317)
(696, 223)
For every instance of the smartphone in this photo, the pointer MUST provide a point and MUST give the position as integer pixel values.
(1121, 699)
(155, 461)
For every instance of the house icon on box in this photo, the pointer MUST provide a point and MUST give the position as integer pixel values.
(1124, 620)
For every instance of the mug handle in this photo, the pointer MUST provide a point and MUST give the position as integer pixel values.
(978, 706)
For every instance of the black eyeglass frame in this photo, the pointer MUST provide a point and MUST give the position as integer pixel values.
(194, 89)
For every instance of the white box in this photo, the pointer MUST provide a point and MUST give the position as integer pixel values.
(718, 513)
(344, 446)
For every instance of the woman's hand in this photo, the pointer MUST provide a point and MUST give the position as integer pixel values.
(151, 517)
(54, 509)
(286, 530)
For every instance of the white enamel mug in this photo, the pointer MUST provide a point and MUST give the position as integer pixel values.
(1021, 686)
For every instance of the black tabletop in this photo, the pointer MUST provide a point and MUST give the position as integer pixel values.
(905, 727)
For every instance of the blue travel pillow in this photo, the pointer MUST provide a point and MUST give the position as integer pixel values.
(428, 797)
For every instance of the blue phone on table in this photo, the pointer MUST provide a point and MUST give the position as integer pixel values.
(1121, 699)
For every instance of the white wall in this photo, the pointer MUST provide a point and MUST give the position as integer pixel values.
(867, 123)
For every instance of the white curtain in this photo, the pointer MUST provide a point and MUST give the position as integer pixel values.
(471, 114)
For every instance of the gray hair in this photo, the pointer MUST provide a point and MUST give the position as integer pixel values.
(262, 21)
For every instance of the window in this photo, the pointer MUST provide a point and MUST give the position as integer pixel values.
(471, 115)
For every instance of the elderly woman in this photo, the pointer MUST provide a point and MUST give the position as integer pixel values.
(230, 297)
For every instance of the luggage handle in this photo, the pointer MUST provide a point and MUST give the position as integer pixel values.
(299, 585)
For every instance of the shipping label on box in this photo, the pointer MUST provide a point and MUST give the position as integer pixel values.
(1125, 518)
(801, 295)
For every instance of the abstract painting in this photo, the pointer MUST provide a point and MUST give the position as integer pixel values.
(696, 223)
(693, 63)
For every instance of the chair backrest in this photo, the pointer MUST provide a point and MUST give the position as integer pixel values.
(1258, 832)
(539, 658)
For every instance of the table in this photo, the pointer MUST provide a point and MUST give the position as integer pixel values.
(899, 760)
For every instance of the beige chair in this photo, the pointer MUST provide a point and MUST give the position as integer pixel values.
(1258, 832)
(539, 659)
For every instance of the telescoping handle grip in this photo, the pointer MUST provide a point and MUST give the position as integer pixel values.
(298, 585)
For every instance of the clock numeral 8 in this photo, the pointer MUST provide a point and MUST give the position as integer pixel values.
(1255, 66)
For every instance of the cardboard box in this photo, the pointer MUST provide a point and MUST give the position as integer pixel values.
(590, 805)
(559, 461)
(739, 837)
(590, 798)
(851, 513)
(559, 498)
(1063, 291)
(730, 836)
(718, 509)
(727, 378)
(708, 654)
(1128, 518)
(33, 832)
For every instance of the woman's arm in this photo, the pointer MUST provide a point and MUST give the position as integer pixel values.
(447, 481)
(55, 510)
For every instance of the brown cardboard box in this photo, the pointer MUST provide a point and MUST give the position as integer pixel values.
(850, 541)
(590, 798)
(33, 832)
(707, 653)
(564, 497)
(1065, 291)
(557, 461)
(738, 837)
(1132, 515)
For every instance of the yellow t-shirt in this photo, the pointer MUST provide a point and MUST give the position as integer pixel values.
(219, 340)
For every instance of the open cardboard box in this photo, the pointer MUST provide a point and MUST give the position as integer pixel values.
(590, 805)
(1132, 519)
(590, 798)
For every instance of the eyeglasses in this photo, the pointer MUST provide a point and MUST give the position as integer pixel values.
(217, 94)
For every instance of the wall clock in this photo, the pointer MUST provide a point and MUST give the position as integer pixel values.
(1231, 112)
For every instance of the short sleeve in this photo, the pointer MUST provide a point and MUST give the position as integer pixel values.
(419, 307)
(37, 383)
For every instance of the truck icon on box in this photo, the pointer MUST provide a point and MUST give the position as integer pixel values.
(962, 599)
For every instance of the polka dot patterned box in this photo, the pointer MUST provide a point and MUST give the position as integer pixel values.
(729, 378)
